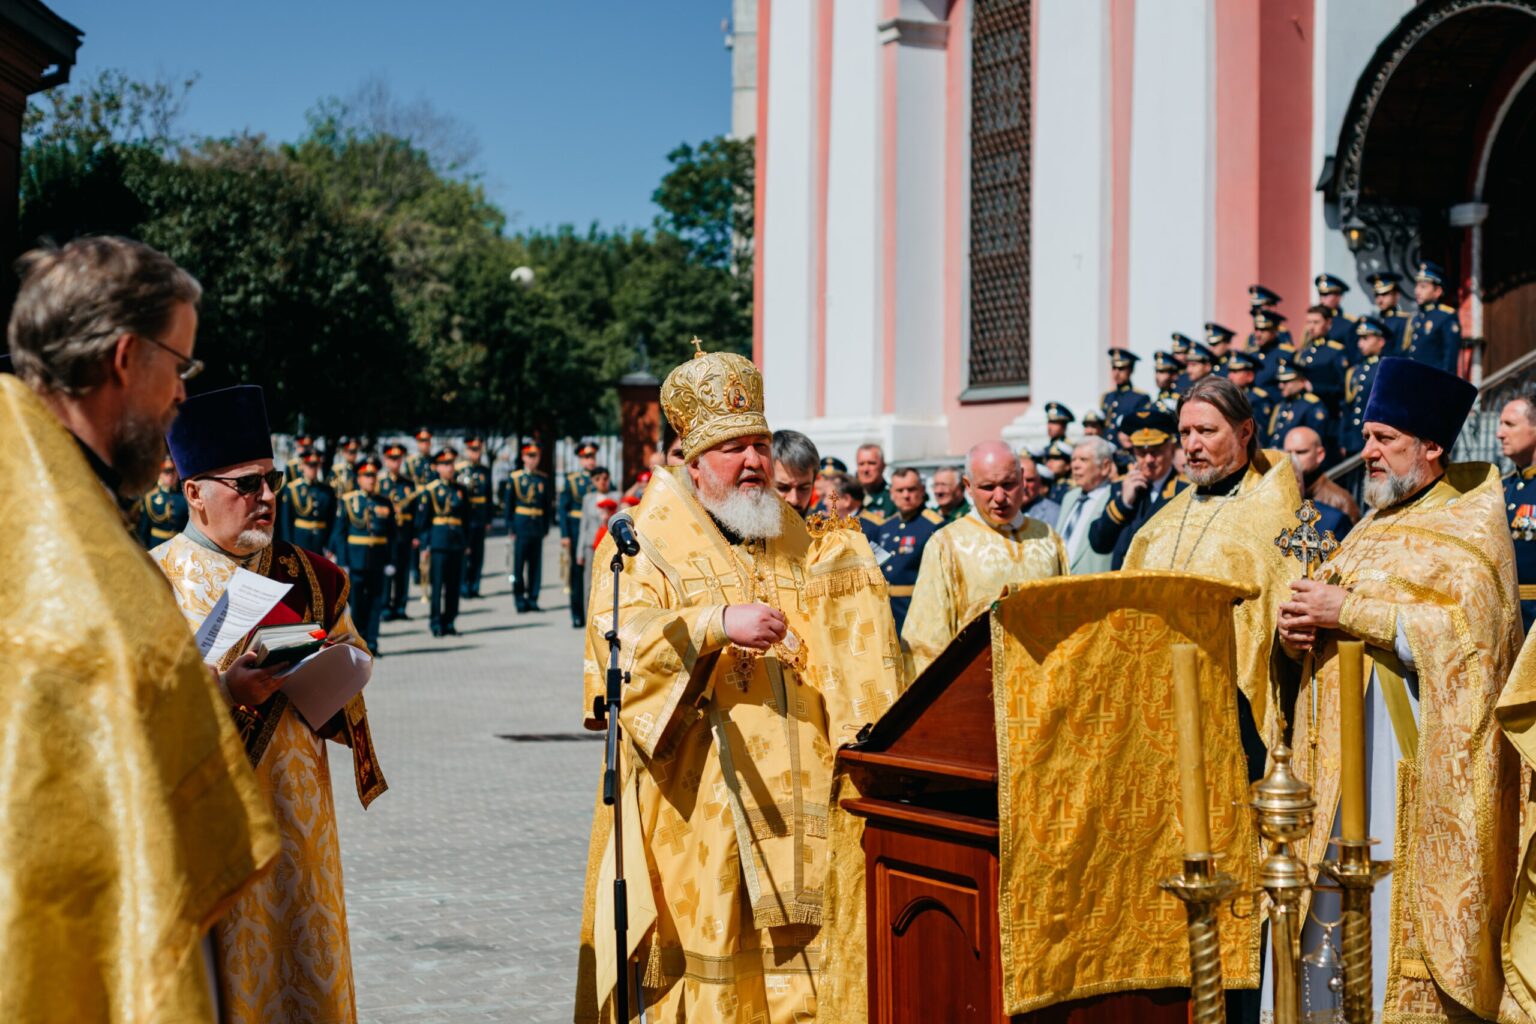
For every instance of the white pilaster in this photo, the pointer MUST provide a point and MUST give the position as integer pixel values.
(855, 377)
(787, 213)
(1071, 213)
(1172, 171)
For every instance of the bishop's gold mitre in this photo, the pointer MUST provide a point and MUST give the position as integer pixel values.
(712, 398)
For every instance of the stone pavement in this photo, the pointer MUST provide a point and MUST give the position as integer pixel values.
(464, 881)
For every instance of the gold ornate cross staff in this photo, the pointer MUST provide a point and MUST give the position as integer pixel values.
(1311, 549)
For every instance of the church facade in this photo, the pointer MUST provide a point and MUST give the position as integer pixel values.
(961, 204)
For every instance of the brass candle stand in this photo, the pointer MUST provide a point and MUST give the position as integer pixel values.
(1356, 875)
(1203, 889)
(1282, 807)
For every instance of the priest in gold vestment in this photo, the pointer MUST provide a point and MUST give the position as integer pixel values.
(129, 818)
(1427, 581)
(1225, 526)
(757, 642)
(969, 563)
(282, 951)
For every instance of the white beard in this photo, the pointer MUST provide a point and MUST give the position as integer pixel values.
(1385, 491)
(253, 540)
(751, 516)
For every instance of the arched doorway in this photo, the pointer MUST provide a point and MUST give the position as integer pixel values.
(1433, 162)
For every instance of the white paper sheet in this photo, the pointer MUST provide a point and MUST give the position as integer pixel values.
(246, 601)
(321, 684)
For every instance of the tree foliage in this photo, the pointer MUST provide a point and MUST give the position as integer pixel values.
(361, 274)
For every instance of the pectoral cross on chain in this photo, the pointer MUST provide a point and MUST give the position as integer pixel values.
(1304, 543)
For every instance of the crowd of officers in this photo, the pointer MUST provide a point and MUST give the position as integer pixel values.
(1308, 398)
(399, 517)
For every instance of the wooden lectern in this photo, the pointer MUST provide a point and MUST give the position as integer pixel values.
(928, 775)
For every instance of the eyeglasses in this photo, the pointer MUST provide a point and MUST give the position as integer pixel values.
(250, 483)
(186, 368)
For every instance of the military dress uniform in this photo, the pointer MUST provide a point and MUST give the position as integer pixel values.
(1341, 326)
(898, 546)
(343, 478)
(401, 491)
(574, 488)
(1059, 449)
(877, 501)
(1123, 398)
(1357, 388)
(1520, 505)
(1183, 344)
(528, 508)
(1269, 355)
(162, 515)
(301, 447)
(306, 513)
(1219, 336)
(361, 539)
(475, 478)
(440, 512)
(1321, 362)
(1261, 400)
(1434, 333)
(1113, 531)
(1302, 409)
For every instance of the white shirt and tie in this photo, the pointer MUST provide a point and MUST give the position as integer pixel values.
(1078, 511)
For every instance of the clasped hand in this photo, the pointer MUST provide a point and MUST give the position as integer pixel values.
(757, 626)
(248, 684)
(1314, 606)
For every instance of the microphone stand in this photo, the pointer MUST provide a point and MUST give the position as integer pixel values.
(612, 796)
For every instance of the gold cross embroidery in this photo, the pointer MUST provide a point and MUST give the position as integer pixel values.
(853, 632)
(688, 906)
(673, 835)
(872, 704)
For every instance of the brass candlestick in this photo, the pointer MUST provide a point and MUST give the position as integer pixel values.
(1282, 807)
(1203, 889)
(1356, 875)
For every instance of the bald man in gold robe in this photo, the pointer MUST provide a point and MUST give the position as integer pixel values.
(969, 563)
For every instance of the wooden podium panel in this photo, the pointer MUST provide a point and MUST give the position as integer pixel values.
(928, 772)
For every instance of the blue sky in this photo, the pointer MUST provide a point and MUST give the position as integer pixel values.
(575, 103)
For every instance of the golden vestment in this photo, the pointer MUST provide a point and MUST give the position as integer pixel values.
(1441, 571)
(283, 950)
(1232, 537)
(1088, 794)
(966, 566)
(731, 753)
(129, 817)
(1516, 713)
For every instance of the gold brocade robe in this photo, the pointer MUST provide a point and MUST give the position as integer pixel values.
(129, 817)
(1233, 538)
(732, 753)
(1442, 569)
(966, 566)
(283, 949)
(1516, 712)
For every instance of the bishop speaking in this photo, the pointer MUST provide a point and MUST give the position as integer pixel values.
(757, 642)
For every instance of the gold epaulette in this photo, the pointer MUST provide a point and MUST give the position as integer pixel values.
(1339, 345)
(819, 524)
(1308, 396)
(932, 516)
(1442, 307)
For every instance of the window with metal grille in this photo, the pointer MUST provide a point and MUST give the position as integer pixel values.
(999, 347)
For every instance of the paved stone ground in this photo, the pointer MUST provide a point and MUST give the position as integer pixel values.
(464, 881)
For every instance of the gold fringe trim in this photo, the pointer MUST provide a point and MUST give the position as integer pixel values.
(771, 913)
(844, 583)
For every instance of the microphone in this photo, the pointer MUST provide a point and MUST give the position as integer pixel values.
(622, 529)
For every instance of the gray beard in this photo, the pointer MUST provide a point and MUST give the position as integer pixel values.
(253, 540)
(749, 516)
(1387, 491)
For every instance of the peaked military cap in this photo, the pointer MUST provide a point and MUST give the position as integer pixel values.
(310, 457)
(1258, 295)
(1242, 361)
(1217, 334)
(1285, 370)
(1094, 417)
(367, 468)
(1329, 284)
(832, 464)
(1058, 449)
(303, 441)
(1384, 282)
(1149, 427)
(1055, 412)
(1370, 325)
(351, 444)
(1430, 271)
(587, 448)
(1181, 343)
(393, 451)
(473, 442)
(530, 446)
(1166, 362)
(444, 455)
(167, 464)
(1198, 353)
(1121, 357)
(423, 434)
(1267, 319)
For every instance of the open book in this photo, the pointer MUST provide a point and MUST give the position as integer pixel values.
(280, 646)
